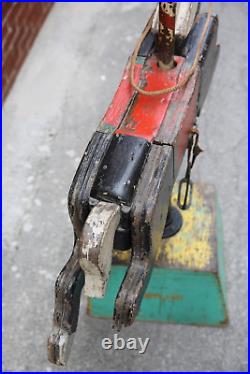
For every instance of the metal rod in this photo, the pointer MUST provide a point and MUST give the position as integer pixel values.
(166, 34)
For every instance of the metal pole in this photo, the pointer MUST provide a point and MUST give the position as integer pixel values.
(166, 34)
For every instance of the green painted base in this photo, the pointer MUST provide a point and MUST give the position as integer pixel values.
(187, 285)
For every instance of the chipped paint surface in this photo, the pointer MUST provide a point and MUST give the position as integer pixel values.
(139, 115)
(117, 108)
(64, 342)
(95, 247)
(146, 115)
(166, 34)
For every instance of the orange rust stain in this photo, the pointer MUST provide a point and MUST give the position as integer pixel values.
(163, 298)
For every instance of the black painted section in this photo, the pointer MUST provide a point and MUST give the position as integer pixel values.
(209, 54)
(209, 58)
(122, 239)
(120, 169)
(147, 45)
(80, 189)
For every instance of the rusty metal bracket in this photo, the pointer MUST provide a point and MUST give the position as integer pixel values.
(95, 246)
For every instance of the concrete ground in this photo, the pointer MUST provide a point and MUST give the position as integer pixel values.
(55, 105)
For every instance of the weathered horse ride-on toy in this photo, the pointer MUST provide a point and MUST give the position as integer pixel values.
(120, 197)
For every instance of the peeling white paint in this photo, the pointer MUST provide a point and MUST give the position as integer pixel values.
(185, 15)
(95, 253)
(103, 78)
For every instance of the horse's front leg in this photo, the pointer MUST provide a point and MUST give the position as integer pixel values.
(68, 289)
(149, 214)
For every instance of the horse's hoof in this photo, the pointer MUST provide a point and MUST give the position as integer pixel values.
(59, 346)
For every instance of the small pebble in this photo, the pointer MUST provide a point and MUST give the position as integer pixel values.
(27, 227)
(77, 160)
(63, 201)
(129, 38)
(27, 165)
(38, 202)
(30, 179)
(44, 148)
(71, 153)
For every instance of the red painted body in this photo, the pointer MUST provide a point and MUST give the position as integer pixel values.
(166, 118)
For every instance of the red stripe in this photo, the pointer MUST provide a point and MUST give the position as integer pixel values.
(168, 21)
(121, 100)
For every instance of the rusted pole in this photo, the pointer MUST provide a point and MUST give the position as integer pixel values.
(166, 34)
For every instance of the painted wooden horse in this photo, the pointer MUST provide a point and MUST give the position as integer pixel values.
(119, 197)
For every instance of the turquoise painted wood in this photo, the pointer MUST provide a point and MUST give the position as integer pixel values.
(173, 296)
(177, 294)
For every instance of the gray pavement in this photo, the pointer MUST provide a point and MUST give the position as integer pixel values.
(55, 105)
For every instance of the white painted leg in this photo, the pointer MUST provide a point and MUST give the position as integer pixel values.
(185, 16)
(95, 247)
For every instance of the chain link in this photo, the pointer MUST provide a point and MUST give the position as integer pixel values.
(193, 151)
